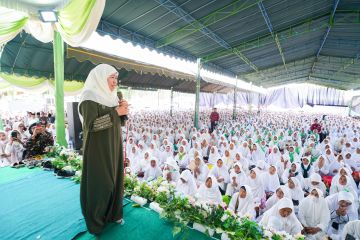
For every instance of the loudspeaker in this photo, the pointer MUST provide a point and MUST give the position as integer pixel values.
(74, 125)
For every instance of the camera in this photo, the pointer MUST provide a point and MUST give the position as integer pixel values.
(14, 134)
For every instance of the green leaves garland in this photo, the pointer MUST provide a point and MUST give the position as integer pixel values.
(62, 158)
(184, 210)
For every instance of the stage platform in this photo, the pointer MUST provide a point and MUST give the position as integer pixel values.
(34, 204)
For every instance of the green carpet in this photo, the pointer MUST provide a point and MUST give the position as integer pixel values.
(144, 224)
(35, 200)
(8, 174)
(40, 206)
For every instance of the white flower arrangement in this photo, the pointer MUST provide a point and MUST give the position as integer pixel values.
(156, 207)
(201, 228)
(205, 210)
(68, 168)
(139, 200)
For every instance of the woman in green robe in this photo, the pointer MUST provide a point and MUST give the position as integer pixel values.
(101, 191)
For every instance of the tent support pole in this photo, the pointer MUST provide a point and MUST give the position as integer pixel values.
(350, 106)
(171, 101)
(58, 48)
(234, 107)
(197, 93)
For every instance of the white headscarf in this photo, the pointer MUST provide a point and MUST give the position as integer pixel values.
(213, 157)
(256, 186)
(352, 228)
(245, 206)
(96, 87)
(297, 192)
(333, 203)
(211, 194)
(274, 198)
(314, 212)
(221, 172)
(289, 224)
(270, 182)
(152, 173)
(189, 187)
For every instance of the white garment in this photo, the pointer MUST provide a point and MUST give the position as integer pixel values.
(333, 204)
(324, 169)
(182, 159)
(189, 186)
(245, 206)
(220, 172)
(240, 179)
(270, 182)
(274, 198)
(315, 177)
(4, 161)
(289, 224)
(288, 172)
(274, 158)
(213, 157)
(296, 193)
(314, 212)
(152, 173)
(352, 228)
(256, 186)
(15, 150)
(201, 177)
(212, 194)
(350, 179)
(170, 166)
(257, 155)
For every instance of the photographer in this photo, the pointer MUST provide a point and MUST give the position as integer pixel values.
(40, 139)
(15, 148)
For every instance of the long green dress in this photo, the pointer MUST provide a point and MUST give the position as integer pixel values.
(101, 191)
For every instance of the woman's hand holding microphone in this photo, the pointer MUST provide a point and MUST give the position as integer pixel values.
(123, 108)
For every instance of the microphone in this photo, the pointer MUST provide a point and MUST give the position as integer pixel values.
(120, 96)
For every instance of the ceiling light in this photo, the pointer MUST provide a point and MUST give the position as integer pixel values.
(48, 16)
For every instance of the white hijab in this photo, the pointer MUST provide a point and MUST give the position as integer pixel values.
(297, 192)
(314, 212)
(274, 198)
(241, 177)
(189, 187)
(333, 203)
(352, 228)
(256, 186)
(96, 88)
(270, 182)
(245, 206)
(289, 224)
(211, 194)
(213, 157)
(152, 173)
(221, 172)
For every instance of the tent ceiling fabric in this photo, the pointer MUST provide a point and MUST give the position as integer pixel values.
(97, 58)
(298, 25)
(27, 56)
(33, 6)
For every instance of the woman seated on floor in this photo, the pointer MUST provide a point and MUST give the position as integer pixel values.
(209, 191)
(282, 213)
(242, 203)
(186, 184)
(314, 215)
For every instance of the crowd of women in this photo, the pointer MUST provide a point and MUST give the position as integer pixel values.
(279, 169)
